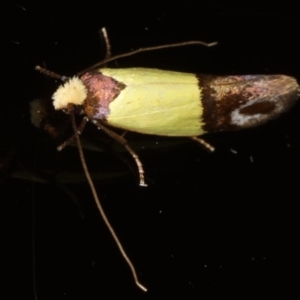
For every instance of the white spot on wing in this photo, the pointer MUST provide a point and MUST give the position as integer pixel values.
(241, 119)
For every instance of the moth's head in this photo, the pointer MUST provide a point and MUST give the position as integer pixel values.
(71, 92)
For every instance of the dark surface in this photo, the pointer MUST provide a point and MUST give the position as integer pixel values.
(208, 225)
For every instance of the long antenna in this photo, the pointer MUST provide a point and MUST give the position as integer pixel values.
(109, 58)
(99, 206)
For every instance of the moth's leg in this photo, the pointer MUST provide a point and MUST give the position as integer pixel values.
(203, 143)
(51, 74)
(103, 34)
(80, 129)
(121, 140)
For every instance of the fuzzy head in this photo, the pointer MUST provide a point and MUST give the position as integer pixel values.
(71, 92)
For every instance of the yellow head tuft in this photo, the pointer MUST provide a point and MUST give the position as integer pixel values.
(71, 92)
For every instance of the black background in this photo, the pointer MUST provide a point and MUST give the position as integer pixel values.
(208, 225)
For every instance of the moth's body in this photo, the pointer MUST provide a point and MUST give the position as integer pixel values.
(152, 101)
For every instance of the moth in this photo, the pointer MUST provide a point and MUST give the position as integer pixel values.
(168, 103)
